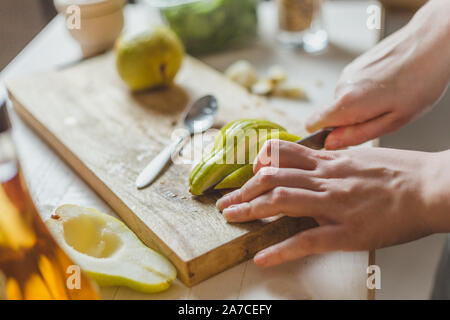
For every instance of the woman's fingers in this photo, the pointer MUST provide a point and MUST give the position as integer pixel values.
(362, 132)
(266, 180)
(290, 201)
(317, 240)
(285, 154)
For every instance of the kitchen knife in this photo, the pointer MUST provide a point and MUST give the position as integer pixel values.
(316, 140)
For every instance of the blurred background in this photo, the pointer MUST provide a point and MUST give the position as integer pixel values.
(21, 21)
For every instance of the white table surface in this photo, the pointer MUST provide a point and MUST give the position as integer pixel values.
(338, 275)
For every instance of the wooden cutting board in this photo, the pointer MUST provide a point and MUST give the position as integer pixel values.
(108, 135)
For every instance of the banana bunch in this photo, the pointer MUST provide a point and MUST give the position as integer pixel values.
(230, 162)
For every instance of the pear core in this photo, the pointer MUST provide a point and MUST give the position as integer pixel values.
(96, 242)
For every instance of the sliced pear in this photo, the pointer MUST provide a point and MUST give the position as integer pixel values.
(220, 162)
(237, 178)
(292, 92)
(277, 74)
(109, 252)
(263, 87)
(243, 73)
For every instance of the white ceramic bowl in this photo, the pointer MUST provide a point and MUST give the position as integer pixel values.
(101, 22)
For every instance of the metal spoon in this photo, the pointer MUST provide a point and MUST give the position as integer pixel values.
(198, 118)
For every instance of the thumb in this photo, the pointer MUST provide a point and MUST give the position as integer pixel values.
(340, 113)
(315, 122)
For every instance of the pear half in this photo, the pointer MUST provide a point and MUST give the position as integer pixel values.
(109, 252)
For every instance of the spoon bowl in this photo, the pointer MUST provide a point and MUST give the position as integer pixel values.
(200, 116)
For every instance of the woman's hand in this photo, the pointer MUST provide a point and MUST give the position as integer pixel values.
(362, 198)
(393, 83)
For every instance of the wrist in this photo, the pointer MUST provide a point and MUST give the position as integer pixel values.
(437, 192)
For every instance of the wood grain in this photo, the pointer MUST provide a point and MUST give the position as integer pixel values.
(108, 134)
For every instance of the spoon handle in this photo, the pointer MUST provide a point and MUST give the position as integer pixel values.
(152, 170)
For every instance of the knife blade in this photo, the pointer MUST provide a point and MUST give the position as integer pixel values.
(316, 140)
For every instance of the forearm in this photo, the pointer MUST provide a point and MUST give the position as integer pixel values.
(429, 30)
(431, 26)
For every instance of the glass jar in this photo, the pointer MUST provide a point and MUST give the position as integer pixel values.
(301, 24)
(32, 265)
(205, 26)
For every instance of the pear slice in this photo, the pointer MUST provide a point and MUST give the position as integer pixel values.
(243, 73)
(237, 178)
(109, 252)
